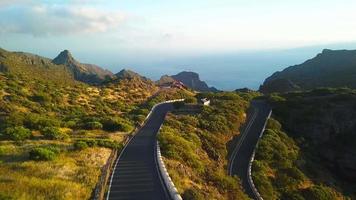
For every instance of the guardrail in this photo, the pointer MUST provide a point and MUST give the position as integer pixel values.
(249, 175)
(128, 141)
(172, 190)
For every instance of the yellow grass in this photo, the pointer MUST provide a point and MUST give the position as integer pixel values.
(72, 175)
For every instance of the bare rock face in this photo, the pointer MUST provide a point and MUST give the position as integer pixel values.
(87, 73)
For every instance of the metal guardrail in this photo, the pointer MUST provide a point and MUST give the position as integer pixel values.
(249, 174)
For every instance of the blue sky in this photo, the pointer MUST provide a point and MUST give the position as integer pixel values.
(144, 33)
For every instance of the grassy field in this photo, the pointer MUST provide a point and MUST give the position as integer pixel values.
(73, 174)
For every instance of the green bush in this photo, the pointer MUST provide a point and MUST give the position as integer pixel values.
(5, 197)
(273, 124)
(101, 143)
(319, 192)
(41, 97)
(43, 154)
(79, 145)
(53, 133)
(18, 133)
(116, 124)
(38, 122)
(93, 125)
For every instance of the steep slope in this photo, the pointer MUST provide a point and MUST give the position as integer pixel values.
(321, 123)
(331, 68)
(87, 73)
(33, 67)
(190, 79)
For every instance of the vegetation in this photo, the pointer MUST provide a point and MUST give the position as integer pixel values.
(57, 133)
(195, 148)
(294, 163)
(41, 153)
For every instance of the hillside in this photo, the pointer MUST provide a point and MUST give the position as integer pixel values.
(33, 67)
(331, 68)
(57, 133)
(311, 153)
(195, 148)
(87, 73)
(190, 79)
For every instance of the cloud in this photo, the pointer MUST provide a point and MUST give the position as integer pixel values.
(46, 20)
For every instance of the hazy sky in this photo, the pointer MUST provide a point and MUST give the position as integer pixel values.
(152, 30)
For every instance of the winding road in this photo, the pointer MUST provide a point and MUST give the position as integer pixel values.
(136, 175)
(242, 153)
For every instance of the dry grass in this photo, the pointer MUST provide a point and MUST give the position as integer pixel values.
(72, 175)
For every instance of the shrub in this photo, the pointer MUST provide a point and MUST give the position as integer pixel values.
(79, 145)
(53, 133)
(93, 125)
(101, 143)
(319, 192)
(273, 124)
(18, 133)
(192, 194)
(43, 154)
(190, 100)
(36, 121)
(116, 124)
(5, 197)
(41, 97)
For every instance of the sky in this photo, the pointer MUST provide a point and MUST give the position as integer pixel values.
(155, 37)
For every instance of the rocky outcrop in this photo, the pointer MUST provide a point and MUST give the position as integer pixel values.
(189, 79)
(87, 73)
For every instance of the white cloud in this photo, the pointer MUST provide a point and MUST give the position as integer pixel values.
(42, 19)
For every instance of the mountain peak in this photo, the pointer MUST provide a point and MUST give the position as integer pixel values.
(64, 57)
(126, 73)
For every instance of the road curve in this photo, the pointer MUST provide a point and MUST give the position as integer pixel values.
(136, 175)
(241, 155)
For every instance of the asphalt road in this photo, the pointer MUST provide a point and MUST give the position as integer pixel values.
(136, 175)
(243, 151)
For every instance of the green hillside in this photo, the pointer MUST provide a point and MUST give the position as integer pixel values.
(309, 153)
(57, 133)
(331, 68)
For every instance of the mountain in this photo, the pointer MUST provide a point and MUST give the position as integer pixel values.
(128, 74)
(190, 79)
(164, 80)
(331, 68)
(33, 67)
(87, 73)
